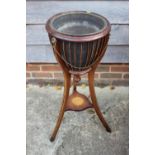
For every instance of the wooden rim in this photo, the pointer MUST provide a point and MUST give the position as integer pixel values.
(52, 31)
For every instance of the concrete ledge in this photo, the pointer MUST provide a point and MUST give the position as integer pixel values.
(99, 83)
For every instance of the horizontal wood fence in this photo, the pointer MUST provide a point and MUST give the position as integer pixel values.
(38, 46)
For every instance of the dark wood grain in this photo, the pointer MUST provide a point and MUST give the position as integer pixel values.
(44, 54)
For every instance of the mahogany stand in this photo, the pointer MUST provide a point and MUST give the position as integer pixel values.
(78, 52)
(77, 105)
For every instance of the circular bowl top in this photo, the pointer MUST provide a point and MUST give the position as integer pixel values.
(78, 26)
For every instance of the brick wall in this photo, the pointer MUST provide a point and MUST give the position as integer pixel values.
(116, 74)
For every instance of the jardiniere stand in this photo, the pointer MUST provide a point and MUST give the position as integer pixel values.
(79, 40)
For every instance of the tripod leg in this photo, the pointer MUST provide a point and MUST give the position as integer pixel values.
(67, 81)
(94, 100)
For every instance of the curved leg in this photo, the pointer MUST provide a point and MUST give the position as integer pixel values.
(94, 100)
(67, 80)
